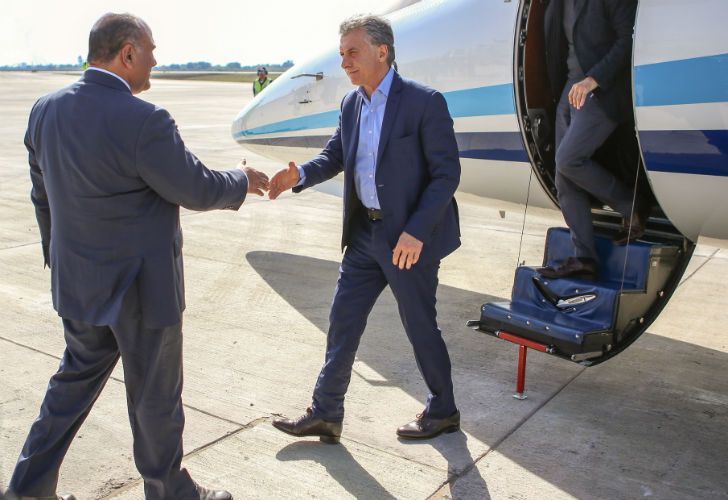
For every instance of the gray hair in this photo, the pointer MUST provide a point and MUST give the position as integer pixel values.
(378, 29)
(111, 32)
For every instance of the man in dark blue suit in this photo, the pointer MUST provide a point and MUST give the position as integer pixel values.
(396, 146)
(109, 174)
(588, 52)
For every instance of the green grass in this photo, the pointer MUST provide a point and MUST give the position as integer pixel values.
(240, 77)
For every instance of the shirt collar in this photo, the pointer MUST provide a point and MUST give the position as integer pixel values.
(110, 73)
(384, 86)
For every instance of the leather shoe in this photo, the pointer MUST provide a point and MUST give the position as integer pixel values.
(632, 229)
(310, 425)
(573, 267)
(11, 496)
(424, 427)
(206, 494)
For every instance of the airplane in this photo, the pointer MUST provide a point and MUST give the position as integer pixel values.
(487, 58)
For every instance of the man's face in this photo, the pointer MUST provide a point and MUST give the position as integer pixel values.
(364, 63)
(142, 63)
(261, 76)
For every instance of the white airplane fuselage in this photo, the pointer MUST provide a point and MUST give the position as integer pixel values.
(466, 50)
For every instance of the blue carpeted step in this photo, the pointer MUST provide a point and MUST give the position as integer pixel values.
(601, 299)
(571, 334)
(612, 263)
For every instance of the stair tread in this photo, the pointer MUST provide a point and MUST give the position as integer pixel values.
(613, 268)
(553, 318)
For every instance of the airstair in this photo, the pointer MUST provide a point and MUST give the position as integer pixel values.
(577, 319)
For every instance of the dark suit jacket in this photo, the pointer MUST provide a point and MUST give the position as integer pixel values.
(418, 167)
(603, 43)
(111, 171)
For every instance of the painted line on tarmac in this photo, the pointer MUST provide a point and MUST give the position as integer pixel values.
(244, 427)
(710, 257)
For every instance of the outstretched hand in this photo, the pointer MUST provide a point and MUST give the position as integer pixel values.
(283, 180)
(407, 252)
(257, 180)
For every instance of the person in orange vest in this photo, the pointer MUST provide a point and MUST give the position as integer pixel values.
(262, 82)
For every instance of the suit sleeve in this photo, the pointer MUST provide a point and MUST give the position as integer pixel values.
(327, 164)
(622, 15)
(176, 174)
(440, 149)
(39, 198)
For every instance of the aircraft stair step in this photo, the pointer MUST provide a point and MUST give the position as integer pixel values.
(612, 258)
(578, 316)
(569, 334)
(592, 301)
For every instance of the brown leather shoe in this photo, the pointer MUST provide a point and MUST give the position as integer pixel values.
(9, 495)
(573, 267)
(424, 427)
(206, 494)
(632, 229)
(310, 425)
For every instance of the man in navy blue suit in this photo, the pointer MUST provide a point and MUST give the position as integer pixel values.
(109, 174)
(396, 146)
(588, 49)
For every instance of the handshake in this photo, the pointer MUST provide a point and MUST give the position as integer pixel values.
(258, 182)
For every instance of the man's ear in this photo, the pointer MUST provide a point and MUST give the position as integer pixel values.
(127, 54)
(383, 52)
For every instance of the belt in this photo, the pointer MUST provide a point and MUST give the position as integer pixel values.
(374, 214)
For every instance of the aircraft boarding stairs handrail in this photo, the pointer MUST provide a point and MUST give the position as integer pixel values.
(577, 319)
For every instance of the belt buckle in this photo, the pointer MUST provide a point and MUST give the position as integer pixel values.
(374, 214)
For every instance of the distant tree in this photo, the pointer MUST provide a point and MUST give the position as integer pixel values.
(233, 66)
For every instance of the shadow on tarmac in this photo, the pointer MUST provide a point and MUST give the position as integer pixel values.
(650, 422)
(340, 464)
(386, 350)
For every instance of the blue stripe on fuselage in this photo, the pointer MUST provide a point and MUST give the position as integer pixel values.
(502, 146)
(483, 101)
(699, 152)
(687, 81)
(327, 119)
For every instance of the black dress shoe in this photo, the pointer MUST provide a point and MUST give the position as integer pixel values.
(310, 425)
(632, 229)
(573, 267)
(424, 427)
(206, 494)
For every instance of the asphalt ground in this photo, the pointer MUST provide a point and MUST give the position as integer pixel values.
(651, 422)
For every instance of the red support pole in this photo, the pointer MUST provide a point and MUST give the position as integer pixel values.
(521, 376)
(523, 346)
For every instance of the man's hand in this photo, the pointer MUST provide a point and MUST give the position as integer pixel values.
(283, 180)
(407, 252)
(581, 90)
(257, 181)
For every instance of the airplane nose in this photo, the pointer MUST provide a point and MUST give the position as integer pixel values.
(241, 125)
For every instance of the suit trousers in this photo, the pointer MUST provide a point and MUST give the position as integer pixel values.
(152, 362)
(579, 133)
(365, 271)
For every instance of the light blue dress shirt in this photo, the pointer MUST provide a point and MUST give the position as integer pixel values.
(370, 129)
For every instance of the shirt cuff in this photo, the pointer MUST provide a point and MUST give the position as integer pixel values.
(302, 176)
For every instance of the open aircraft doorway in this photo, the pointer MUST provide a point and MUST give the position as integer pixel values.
(583, 321)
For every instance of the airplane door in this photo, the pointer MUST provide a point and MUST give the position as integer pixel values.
(681, 99)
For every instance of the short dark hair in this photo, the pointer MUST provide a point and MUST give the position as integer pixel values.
(111, 32)
(379, 31)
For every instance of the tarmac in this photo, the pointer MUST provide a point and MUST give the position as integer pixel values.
(652, 422)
